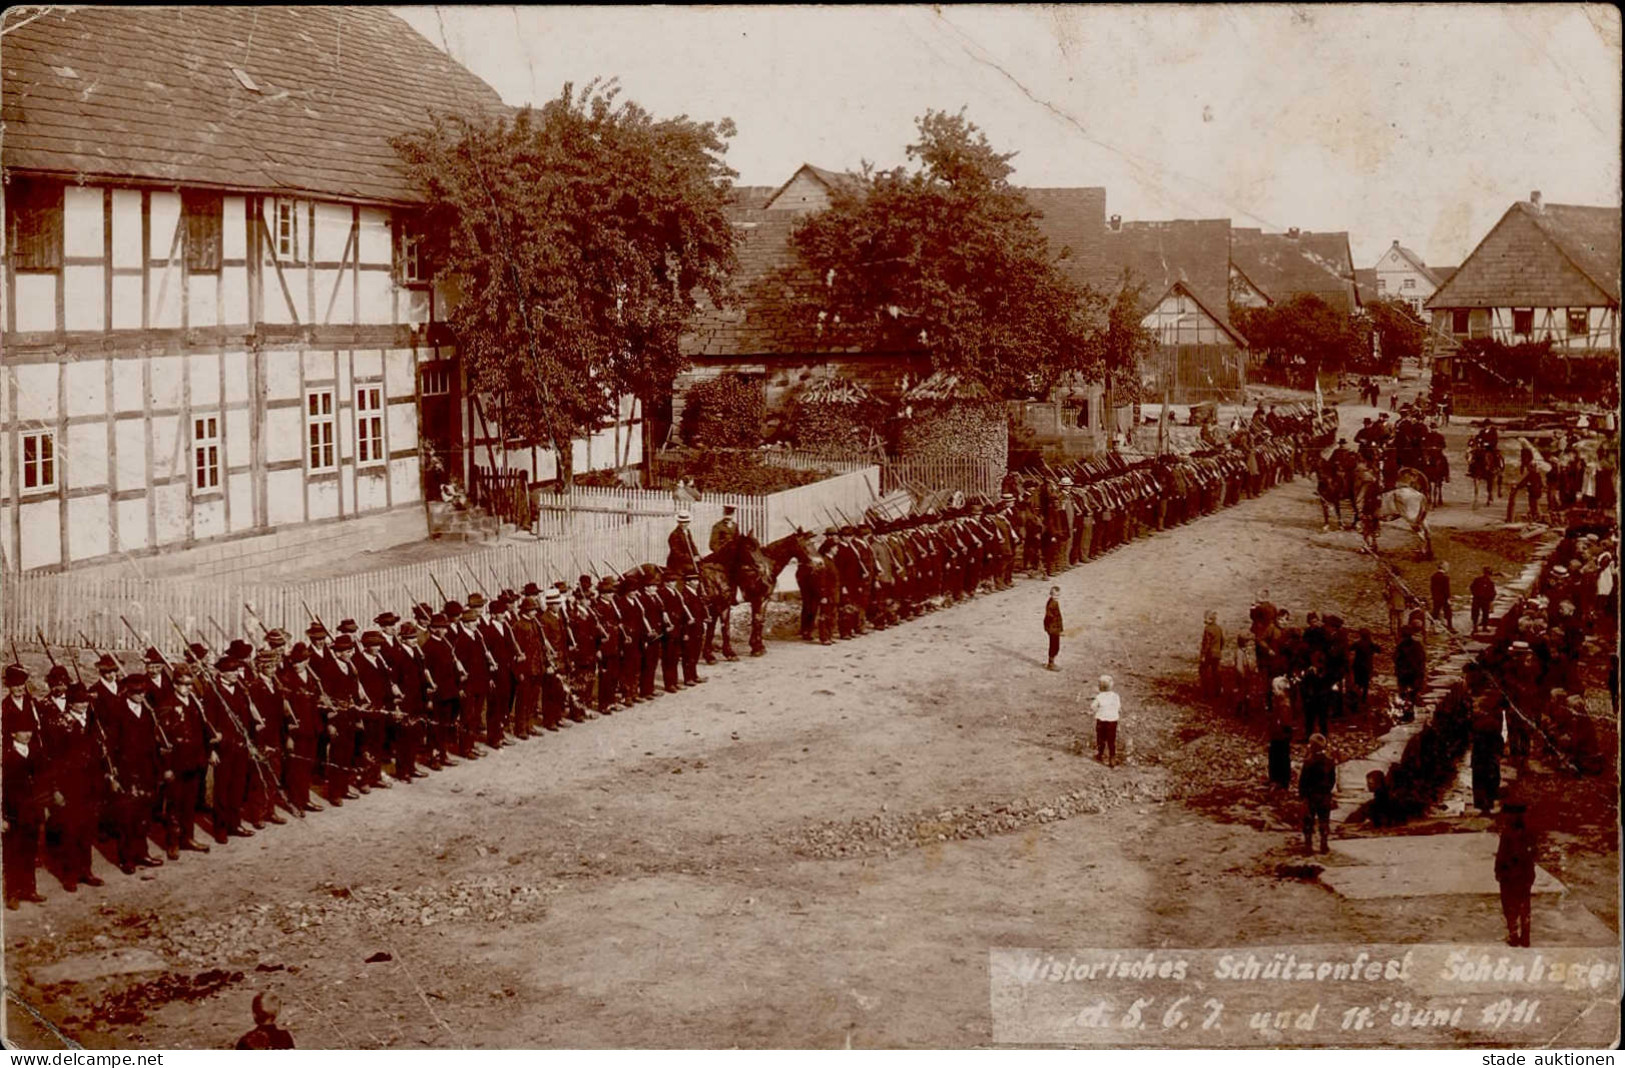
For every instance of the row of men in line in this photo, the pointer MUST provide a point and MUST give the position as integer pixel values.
(253, 731)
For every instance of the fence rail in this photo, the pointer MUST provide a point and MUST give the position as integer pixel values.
(582, 532)
(966, 474)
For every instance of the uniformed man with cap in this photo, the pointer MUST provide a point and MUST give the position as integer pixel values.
(634, 635)
(683, 555)
(187, 757)
(556, 638)
(529, 664)
(497, 633)
(24, 788)
(79, 780)
(268, 735)
(677, 623)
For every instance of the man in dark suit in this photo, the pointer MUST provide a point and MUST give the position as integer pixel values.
(343, 689)
(229, 711)
(304, 694)
(381, 700)
(497, 634)
(134, 739)
(79, 782)
(24, 786)
(412, 678)
(187, 758)
(445, 689)
(268, 732)
(1053, 626)
(477, 662)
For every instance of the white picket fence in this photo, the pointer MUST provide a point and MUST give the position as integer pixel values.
(596, 529)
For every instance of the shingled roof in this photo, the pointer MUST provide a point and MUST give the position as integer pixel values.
(1160, 254)
(1284, 265)
(297, 100)
(1550, 256)
(763, 323)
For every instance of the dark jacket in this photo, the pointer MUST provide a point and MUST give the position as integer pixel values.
(1052, 617)
(1318, 780)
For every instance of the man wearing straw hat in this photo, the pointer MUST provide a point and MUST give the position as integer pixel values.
(683, 555)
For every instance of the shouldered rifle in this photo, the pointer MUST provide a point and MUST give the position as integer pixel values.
(101, 736)
(159, 727)
(438, 588)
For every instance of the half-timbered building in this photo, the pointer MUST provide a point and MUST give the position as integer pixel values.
(217, 323)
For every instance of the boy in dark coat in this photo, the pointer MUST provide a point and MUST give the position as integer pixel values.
(1316, 784)
(1052, 625)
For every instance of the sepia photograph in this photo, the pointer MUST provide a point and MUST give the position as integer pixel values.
(999, 527)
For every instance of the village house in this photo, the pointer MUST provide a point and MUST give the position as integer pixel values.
(762, 339)
(1544, 273)
(217, 322)
(1269, 268)
(1401, 275)
(1184, 268)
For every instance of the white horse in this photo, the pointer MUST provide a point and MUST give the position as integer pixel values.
(1407, 502)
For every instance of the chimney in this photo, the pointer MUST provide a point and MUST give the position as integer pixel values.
(1534, 199)
(1116, 223)
(1293, 233)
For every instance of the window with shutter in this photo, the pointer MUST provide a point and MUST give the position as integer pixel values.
(203, 238)
(34, 213)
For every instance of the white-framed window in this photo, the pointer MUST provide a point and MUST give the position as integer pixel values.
(369, 424)
(206, 452)
(321, 454)
(436, 378)
(1579, 322)
(287, 229)
(1407, 283)
(39, 460)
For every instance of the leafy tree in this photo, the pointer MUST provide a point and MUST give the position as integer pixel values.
(725, 413)
(945, 258)
(1304, 329)
(578, 237)
(1126, 341)
(1400, 333)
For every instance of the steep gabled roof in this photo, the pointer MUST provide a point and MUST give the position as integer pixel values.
(1365, 279)
(297, 100)
(1551, 256)
(829, 179)
(1283, 265)
(1073, 221)
(1160, 254)
(1218, 313)
(1430, 273)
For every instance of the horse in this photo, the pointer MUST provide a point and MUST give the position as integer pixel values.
(1407, 502)
(1334, 484)
(1488, 466)
(743, 568)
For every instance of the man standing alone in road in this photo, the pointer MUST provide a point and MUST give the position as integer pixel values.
(1439, 587)
(1515, 871)
(1052, 625)
(1316, 784)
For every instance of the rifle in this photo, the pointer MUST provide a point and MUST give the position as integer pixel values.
(219, 628)
(101, 736)
(255, 617)
(477, 583)
(40, 634)
(159, 727)
(494, 576)
(377, 602)
(438, 588)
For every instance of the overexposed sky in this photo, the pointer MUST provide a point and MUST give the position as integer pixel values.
(1421, 123)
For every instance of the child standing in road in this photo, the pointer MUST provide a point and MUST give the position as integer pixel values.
(1108, 709)
(1052, 625)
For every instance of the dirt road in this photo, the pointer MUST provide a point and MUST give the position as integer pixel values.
(814, 849)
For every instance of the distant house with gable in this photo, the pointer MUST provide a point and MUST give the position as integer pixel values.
(1543, 273)
(1184, 268)
(1401, 275)
(1267, 268)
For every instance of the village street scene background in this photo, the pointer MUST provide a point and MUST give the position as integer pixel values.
(535, 527)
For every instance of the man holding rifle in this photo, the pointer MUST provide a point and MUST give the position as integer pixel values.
(81, 776)
(133, 736)
(190, 754)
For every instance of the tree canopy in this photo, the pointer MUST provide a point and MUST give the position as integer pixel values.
(1304, 328)
(944, 257)
(1400, 334)
(578, 236)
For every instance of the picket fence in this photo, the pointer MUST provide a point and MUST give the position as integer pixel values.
(598, 529)
(969, 475)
